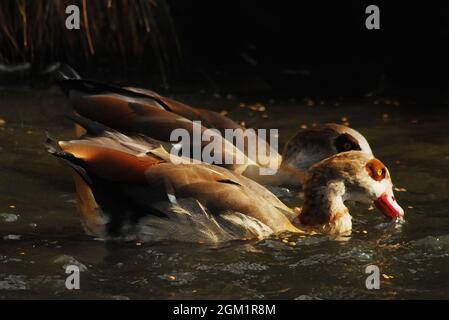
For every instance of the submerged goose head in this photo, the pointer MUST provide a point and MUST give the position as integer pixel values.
(352, 175)
(309, 146)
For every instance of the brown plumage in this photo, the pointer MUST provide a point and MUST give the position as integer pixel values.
(136, 110)
(128, 187)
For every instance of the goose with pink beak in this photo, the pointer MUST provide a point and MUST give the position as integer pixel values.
(354, 176)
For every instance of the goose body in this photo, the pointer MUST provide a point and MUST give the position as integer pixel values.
(134, 110)
(123, 193)
(128, 188)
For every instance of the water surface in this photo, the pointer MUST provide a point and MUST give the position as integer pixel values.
(40, 232)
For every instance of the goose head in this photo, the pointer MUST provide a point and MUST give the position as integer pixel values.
(348, 176)
(309, 146)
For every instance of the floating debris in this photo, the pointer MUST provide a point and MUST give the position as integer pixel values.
(386, 276)
(12, 206)
(400, 189)
(171, 278)
(258, 107)
(410, 207)
(303, 126)
(2, 122)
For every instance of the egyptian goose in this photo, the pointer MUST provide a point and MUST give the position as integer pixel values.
(128, 188)
(135, 110)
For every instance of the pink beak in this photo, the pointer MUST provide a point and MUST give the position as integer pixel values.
(388, 205)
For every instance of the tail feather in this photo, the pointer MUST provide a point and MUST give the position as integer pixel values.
(96, 87)
(55, 149)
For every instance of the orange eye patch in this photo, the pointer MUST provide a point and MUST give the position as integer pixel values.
(376, 169)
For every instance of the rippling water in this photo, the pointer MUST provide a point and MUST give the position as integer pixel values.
(40, 233)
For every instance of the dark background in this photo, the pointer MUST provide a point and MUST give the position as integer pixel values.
(313, 48)
(322, 47)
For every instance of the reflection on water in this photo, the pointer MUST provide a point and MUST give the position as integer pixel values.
(40, 233)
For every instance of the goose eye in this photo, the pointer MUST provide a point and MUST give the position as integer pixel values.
(376, 170)
(346, 142)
